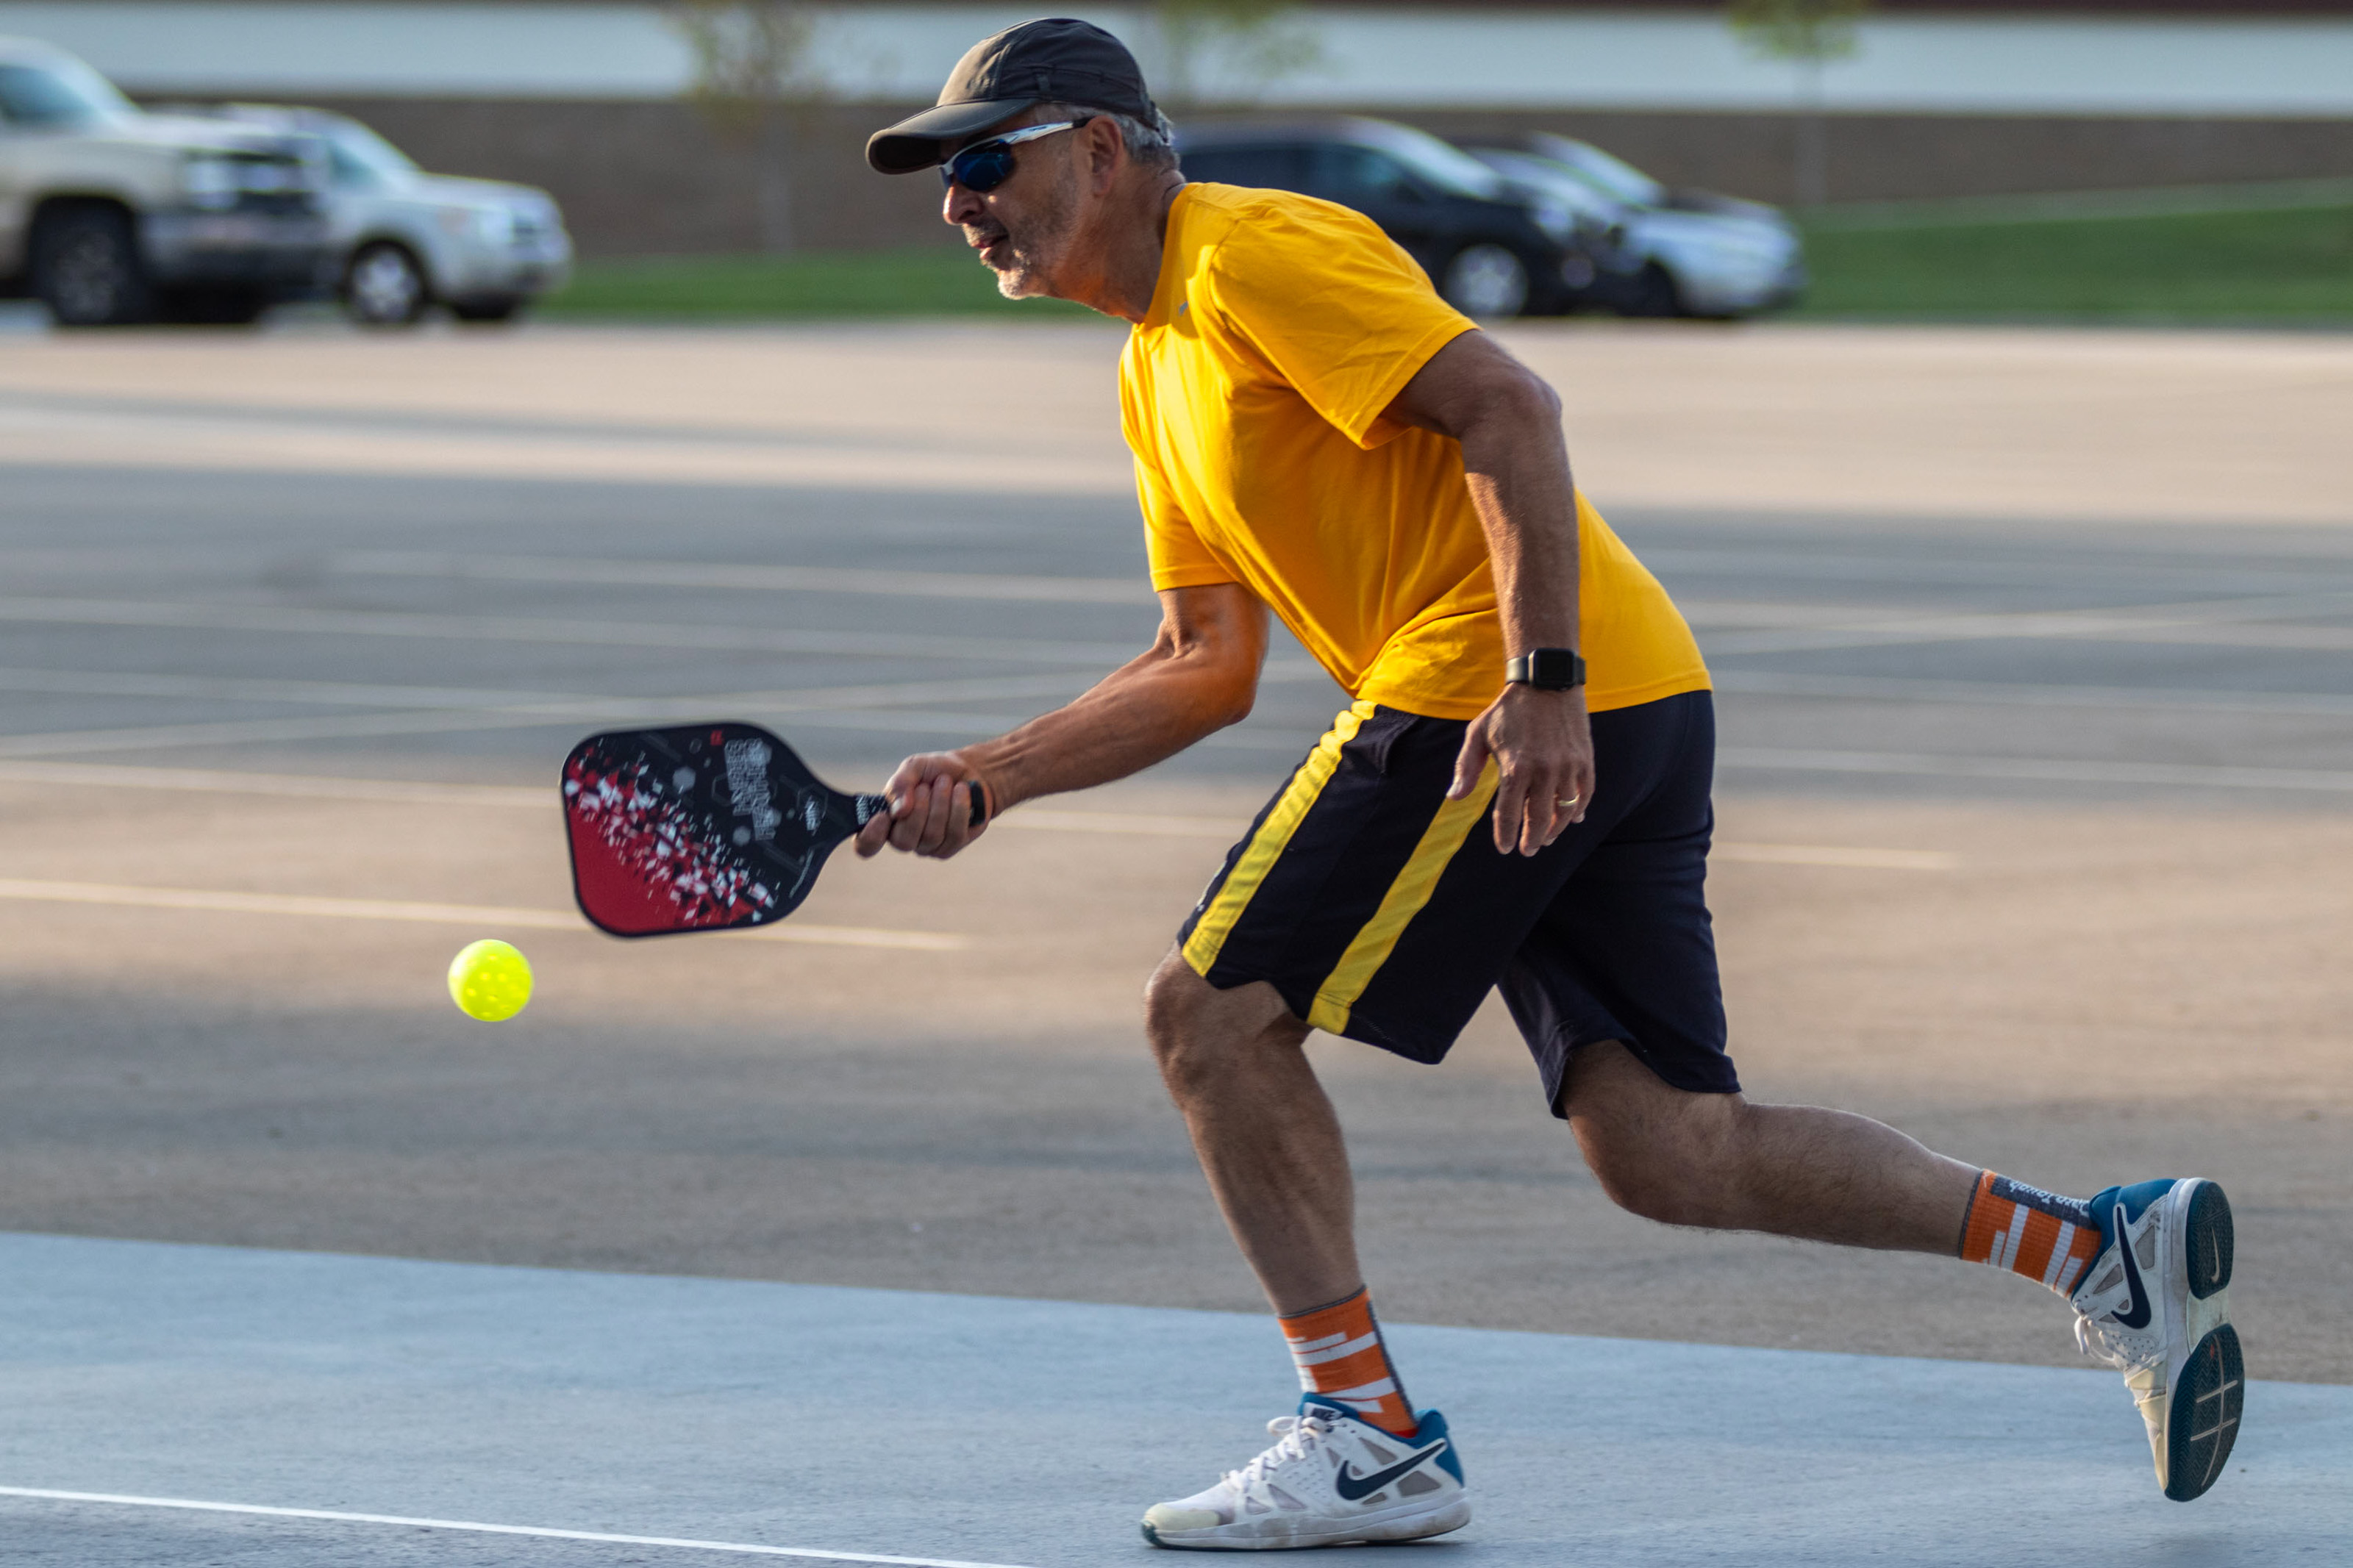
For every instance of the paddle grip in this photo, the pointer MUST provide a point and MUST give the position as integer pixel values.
(869, 806)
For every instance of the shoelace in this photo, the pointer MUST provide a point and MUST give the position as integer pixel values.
(1296, 1435)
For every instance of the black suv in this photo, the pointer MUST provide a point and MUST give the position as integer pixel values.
(1490, 252)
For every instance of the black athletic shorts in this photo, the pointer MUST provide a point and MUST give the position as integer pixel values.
(1382, 911)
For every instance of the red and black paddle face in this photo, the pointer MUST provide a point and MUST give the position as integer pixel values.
(700, 827)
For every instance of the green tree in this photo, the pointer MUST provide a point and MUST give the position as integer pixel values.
(1809, 33)
(754, 81)
(1246, 46)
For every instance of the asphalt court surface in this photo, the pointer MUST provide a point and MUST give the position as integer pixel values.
(2033, 822)
(650, 1406)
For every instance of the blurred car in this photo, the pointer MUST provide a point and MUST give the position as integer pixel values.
(1673, 252)
(110, 215)
(409, 240)
(1491, 251)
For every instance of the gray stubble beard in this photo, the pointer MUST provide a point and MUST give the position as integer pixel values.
(1056, 218)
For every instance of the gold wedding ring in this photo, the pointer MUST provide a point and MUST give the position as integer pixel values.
(1572, 800)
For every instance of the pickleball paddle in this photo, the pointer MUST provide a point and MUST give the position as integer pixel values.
(701, 828)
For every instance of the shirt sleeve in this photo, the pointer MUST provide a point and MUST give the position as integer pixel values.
(1174, 548)
(1340, 311)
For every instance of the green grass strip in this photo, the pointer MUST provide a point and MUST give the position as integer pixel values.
(931, 281)
(2280, 267)
(2276, 264)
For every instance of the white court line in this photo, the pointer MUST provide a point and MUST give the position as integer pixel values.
(1136, 590)
(333, 1516)
(308, 908)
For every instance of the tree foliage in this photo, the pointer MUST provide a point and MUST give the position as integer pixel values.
(1812, 30)
(749, 56)
(1245, 44)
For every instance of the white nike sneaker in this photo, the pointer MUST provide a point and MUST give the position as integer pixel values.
(1331, 1479)
(2155, 1303)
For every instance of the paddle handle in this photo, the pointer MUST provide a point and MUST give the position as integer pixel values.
(867, 808)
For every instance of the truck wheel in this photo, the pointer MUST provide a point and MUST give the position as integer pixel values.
(505, 309)
(384, 287)
(86, 269)
(1486, 280)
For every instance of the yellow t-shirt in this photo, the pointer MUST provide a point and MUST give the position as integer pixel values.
(1251, 395)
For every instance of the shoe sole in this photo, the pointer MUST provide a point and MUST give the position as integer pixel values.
(1383, 1532)
(2208, 1392)
(2206, 1396)
(2209, 1241)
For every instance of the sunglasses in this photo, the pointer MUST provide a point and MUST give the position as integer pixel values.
(985, 165)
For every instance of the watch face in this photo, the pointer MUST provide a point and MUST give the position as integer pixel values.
(1554, 669)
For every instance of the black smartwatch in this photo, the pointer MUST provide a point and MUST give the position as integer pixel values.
(1545, 668)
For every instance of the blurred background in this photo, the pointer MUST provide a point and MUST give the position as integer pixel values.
(2151, 160)
(2031, 617)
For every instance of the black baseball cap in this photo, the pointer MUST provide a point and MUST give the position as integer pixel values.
(1052, 60)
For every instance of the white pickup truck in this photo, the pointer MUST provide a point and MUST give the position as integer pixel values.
(110, 215)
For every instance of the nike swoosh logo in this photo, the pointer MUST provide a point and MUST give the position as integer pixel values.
(1355, 1487)
(2138, 1317)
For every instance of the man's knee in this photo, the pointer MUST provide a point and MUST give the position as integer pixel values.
(1665, 1153)
(1197, 1031)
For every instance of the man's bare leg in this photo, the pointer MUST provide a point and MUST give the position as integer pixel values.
(1719, 1161)
(1236, 1064)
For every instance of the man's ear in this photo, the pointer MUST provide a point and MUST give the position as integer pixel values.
(1106, 154)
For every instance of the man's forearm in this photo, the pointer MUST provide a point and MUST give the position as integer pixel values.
(1143, 713)
(1517, 466)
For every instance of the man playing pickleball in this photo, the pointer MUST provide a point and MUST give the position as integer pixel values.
(1517, 797)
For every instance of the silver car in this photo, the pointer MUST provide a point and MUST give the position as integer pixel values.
(482, 248)
(1676, 253)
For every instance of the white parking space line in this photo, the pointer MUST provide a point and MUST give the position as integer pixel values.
(2027, 694)
(306, 908)
(612, 632)
(128, 438)
(1837, 854)
(2038, 770)
(1136, 590)
(1801, 628)
(1134, 824)
(311, 786)
(334, 1516)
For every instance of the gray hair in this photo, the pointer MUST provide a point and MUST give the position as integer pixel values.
(1152, 144)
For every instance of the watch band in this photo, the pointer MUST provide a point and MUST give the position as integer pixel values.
(1545, 668)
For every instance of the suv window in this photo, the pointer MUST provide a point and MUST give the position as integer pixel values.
(1344, 173)
(32, 95)
(1275, 167)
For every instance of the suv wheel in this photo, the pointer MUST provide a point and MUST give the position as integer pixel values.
(384, 287)
(1653, 293)
(86, 269)
(494, 308)
(1486, 280)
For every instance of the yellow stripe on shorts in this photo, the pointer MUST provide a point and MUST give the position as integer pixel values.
(1266, 845)
(1406, 895)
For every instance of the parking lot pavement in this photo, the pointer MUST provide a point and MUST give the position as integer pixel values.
(2034, 806)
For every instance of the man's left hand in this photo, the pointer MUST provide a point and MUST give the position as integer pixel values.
(1542, 745)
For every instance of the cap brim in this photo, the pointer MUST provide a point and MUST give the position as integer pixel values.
(925, 140)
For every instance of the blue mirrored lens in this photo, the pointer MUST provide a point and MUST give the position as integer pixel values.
(978, 169)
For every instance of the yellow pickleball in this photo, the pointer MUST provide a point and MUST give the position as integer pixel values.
(490, 980)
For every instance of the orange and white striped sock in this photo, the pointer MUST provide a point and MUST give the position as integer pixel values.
(1340, 1355)
(2029, 1231)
